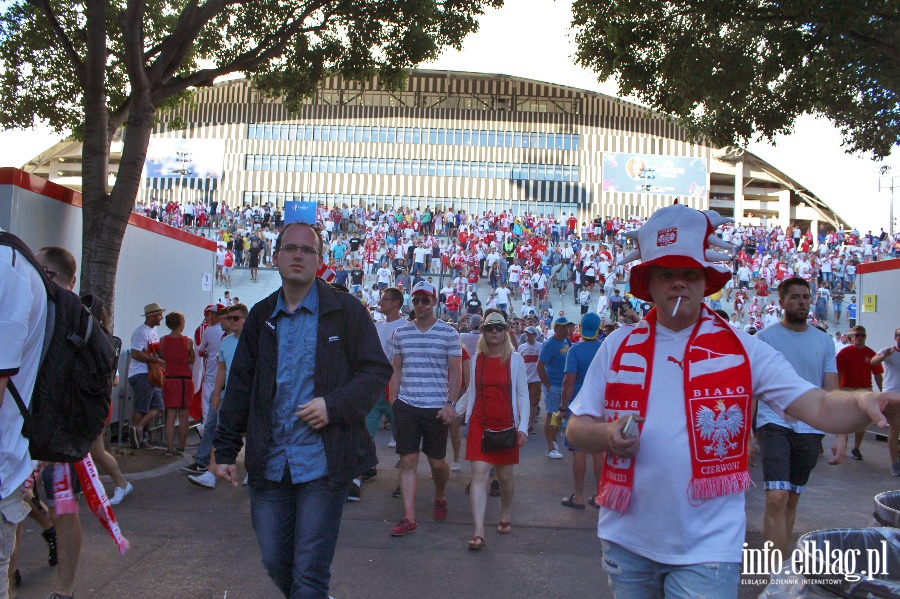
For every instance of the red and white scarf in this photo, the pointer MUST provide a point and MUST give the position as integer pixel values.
(718, 399)
(65, 503)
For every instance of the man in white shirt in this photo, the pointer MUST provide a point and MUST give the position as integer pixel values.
(22, 326)
(209, 351)
(530, 352)
(148, 401)
(890, 357)
(686, 460)
(503, 295)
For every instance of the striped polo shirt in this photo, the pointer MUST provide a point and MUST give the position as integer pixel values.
(423, 383)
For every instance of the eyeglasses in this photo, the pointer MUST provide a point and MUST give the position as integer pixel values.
(493, 328)
(307, 250)
(234, 318)
(421, 300)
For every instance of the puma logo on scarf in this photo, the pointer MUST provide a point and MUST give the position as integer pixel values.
(718, 396)
(672, 359)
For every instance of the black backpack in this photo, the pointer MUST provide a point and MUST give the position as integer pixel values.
(71, 398)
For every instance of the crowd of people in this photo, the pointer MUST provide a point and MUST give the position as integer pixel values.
(378, 320)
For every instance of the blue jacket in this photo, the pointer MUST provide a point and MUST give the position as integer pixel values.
(351, 372)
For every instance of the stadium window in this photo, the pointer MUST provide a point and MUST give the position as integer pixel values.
(482, 138)
(517, 140)
(416, 136)
(315, 164)
(291, 163)
(567, 142)
(441, 136)
(251, 131)
(467, 169)
(407, 167)
(431, 167)
(491, 139)
(266, 162)
(332, 164)
(542, 172)
(284, 131)
(282, 163)
(306, 167)
(357, 165)
(491, 170)
(415, 168)
(458, 137)
(507, 139)
(433, 136)
(482, 170)
(517, 173)
(532, 172)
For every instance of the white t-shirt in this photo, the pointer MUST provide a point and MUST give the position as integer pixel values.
(385, 331)
(502, 295)
(142, 339)
(531, 353)
(211, 340)
(891, 370)
(23, 321)
(661, 523)
(514, 271)
(419, 254)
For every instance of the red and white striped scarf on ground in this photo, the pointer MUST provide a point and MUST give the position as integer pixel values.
(718, 400)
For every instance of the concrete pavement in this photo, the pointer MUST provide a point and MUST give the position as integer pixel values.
(189, 542)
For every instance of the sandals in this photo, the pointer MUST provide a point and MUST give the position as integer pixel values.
(593, 502)
(476, 544)
(570, 502)
(504, 528)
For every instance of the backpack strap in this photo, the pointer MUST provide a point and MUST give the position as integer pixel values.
(26, 415)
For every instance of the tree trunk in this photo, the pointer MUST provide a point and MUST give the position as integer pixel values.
(106, 218)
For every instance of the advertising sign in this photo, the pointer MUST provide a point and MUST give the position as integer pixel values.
(668, 175)
(300, 212)
(169, 158)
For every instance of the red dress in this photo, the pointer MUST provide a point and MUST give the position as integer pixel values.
(178, 388)
(493, 395)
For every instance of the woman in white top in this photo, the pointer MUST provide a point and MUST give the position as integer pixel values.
(497, 400)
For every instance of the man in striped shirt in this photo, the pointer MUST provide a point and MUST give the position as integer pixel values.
(427, 359)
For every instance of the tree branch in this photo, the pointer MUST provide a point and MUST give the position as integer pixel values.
(131, 20)
(59, 32)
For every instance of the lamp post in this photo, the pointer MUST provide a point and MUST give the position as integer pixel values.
(890, 186)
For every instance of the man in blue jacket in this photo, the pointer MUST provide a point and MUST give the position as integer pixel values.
(307, 370)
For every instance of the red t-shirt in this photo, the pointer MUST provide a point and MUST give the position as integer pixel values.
(452, 303)
(855, 369)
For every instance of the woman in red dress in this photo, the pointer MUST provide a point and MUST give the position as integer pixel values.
(497, 399)
(177, 350)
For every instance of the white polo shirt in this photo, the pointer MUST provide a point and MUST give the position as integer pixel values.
(22, 325)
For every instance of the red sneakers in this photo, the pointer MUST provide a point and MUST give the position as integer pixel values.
(440, 509)
(404, 527)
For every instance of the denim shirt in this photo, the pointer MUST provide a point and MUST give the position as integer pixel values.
(294, 444)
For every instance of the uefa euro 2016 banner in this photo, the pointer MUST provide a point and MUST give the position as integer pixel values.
(646, 173)
(171, 158)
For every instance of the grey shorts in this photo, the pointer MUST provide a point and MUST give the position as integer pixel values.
(145, 395)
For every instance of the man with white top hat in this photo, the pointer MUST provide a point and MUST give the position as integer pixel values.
(672, 518)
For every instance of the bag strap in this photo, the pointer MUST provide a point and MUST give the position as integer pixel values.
(26, 415)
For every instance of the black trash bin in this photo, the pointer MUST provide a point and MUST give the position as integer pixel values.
(885, 542)
(887, 509)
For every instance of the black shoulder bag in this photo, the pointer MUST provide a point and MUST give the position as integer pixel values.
(492, 440)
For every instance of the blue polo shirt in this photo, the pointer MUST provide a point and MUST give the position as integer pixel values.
(553, 355)
(295, 445)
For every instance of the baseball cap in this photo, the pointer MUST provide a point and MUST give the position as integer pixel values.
(562, 320)
(590, 325)
(424, 287)
(475, 323)
(213, 308)
(532, 330)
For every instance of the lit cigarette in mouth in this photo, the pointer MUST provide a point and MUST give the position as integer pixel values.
(675, 311)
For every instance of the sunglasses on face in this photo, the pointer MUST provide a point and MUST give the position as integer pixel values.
(234, 318)
(421, 300)
(493, 328)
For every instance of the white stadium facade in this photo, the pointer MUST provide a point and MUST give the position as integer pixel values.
(467, 141)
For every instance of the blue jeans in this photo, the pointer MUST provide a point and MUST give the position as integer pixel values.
(297, 529)
(206, 441)
(632, 576)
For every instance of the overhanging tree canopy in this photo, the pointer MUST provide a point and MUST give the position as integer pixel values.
(95, 66)
(732, 70)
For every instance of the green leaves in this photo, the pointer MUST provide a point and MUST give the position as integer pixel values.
(735, 70)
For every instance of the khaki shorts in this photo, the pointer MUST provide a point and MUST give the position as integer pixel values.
(13, 510)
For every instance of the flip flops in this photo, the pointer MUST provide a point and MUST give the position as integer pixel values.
(476, 544)
(504, 528)
(570, 502)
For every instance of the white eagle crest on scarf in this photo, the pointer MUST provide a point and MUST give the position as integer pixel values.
(720, 428)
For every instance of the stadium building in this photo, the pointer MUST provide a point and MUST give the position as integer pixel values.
(467, 141)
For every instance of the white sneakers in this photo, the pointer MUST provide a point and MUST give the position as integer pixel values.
(454, 467)
(120, 493)
(207, 479)
(393, 443)
(554, 454)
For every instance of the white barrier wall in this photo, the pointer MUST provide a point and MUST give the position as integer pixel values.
(882, 280)
(157, 264)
